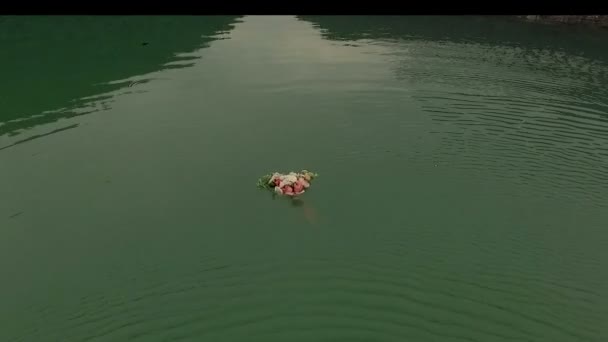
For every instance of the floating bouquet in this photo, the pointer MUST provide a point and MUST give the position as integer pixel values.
(291, 184)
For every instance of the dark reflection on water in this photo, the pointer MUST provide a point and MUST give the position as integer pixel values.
(52, 65)
(493, 30)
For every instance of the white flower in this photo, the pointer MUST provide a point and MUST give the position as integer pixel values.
(305, 183)
(278, 190)
(274, 176)
(292, 177)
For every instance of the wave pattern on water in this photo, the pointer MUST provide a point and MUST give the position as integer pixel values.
(511, 114)
(338, 298)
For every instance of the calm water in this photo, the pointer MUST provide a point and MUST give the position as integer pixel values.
(462, 197)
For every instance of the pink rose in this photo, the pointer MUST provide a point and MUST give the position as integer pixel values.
(287, 190)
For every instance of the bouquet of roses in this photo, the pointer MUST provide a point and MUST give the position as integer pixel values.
(291, 184)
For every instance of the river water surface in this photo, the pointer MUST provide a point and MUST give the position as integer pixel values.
(462, 193)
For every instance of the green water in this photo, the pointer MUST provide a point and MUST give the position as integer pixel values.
(462, 193)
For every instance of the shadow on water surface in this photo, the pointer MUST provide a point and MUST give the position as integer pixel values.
(308, 210)
(53, 66)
